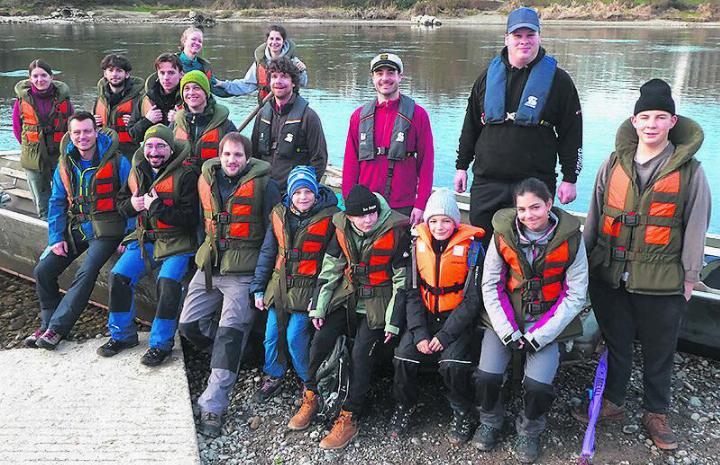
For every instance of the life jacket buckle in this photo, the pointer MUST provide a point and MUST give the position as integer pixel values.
(359, 269)
(190, 161)
(223, 244)
(366, 292)
(150, 234)
(223, 218)
(630, 219)
(533, 284)
(619, 253)
(535, 308)
(290, 281)
(381, 151)
(293, 255)
(82, 217)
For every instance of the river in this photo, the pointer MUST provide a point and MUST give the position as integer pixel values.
(607, 63)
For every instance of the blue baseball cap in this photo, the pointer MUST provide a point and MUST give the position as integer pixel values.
(523, 17)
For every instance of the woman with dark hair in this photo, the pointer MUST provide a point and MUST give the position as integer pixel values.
(191, 44)
(40, 116)
(276, 45)
(534, 285)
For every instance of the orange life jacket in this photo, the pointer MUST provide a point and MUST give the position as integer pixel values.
(29, 117)
(207, 147)
(263, 81)
(442, 279)
(371, 267)
(118, 123)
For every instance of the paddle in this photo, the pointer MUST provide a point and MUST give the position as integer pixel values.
(588, 447)
(252, 114)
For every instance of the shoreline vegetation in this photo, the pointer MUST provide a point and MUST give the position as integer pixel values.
(448, 11)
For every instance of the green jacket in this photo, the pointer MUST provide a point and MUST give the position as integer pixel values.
(207, 145)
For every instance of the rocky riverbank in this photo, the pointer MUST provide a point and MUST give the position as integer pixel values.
(256, 434)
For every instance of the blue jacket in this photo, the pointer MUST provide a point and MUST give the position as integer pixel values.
(58, 204)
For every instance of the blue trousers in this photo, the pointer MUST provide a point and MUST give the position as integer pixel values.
(298, 339)
(128, 270)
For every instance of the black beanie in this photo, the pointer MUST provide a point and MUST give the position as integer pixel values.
(655, 95)
(360, 201)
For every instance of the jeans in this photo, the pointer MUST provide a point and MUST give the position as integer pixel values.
(58, 312)
(39, 183)
(298, 338)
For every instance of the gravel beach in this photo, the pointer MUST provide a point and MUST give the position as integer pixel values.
(256, 434)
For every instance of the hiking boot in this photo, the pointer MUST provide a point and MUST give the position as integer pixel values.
(48, 340)
(527, 448)
(210, 424)
(485, 437)
(269, 388)
(31, 340)
(301, 420)
(343, 431)
(114, 347)
(608, 412)
(463, 427)
(657, 426)
(400, 420)
(154, 356)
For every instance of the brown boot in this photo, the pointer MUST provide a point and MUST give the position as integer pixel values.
(608, 412)
(343, 431)
(657, 426)
(307, 411)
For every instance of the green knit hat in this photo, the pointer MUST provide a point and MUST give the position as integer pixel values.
(199, 78)
(161, 131)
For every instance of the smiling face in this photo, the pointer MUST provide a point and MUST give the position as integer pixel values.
(194, 97)
(653, 127)
(157, 152)
(364, 223)
(168, 75)
(115, 76)
(387, 82)
(275, 43)
(523, 45)
(83, 134)
(40, 78)
(441, 227)
(232, 158)
(193, 43)
(303, 199)
(532, 211)
(281, 85)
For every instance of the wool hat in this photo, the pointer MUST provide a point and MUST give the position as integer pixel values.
(387, 59)
(442, 202)
(361, 201)
(655, 95)
(523, 17)
(301, 176)
(161, 131)
(199, 78)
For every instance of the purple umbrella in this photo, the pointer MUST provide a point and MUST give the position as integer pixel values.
(588, 447)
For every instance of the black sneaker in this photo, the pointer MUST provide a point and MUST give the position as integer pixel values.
(269, 388)
(485, 437)
(154, 356)
(114, 347)
(463, 427)
(400, 420)
(210, 424)
(31, 340)
(527, 448)
(49, 340)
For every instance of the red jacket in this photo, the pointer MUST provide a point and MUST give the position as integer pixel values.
(413, 178)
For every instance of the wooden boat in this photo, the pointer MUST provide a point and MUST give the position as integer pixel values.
(23, 238)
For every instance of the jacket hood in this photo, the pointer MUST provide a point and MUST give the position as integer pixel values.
(262, 53)
(687, 136)
(24, 88)
(544, 239)
(383, 214)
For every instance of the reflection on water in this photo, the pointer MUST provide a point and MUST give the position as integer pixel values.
(608, 65)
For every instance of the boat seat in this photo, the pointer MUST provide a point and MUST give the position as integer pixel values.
(11, 173)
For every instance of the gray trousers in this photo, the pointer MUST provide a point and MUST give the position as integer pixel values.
(540, 367)
(225, 338)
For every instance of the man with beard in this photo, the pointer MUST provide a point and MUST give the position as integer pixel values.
(119, 95)
(162, 96)
(162, 193)
(287, 132)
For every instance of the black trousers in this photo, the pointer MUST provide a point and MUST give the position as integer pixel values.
(364, 350)
(655, 319)
(454, 365)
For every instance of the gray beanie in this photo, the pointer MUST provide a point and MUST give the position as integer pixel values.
(442, 202)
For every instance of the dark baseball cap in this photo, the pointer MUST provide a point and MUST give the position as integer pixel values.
(523, 17)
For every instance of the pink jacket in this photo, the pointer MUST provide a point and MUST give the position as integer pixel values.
(413, 178)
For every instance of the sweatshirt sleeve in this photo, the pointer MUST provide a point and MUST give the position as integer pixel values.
(265, 263)
(569, 132)
(17, 123)
(592, 221)
(57, 210)
(331, 273)
(425, 158)
(243, 86)
(472, 126)
(399, 279)
(303, 80)
(351, 165)
(496, 299)
(464, 317)
(571, 301)
(696, 220)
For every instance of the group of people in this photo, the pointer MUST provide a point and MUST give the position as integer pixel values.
(158, 173)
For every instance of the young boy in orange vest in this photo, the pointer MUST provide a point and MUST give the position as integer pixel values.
(442, 308)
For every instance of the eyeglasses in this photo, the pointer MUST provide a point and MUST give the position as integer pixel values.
(159, 147)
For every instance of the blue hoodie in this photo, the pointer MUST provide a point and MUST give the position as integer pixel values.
(84, 170)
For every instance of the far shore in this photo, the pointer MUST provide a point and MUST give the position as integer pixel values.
(338, 17)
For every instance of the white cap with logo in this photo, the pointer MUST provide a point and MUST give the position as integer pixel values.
(386, 59)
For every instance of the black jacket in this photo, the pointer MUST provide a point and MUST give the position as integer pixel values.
(165, 102)
(455, 322)
(268, 252)
(508, 152)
